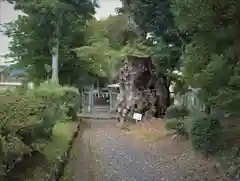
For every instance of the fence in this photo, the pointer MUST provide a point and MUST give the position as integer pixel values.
(91, 100)
(12, 85)
(189, 99)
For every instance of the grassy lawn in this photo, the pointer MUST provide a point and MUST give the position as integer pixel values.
(62, 133)
(68, 171)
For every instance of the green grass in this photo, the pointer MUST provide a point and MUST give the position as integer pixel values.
(69, 170)
(74, 155)
(62, 133)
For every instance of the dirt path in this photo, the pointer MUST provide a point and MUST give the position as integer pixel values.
(109, 154)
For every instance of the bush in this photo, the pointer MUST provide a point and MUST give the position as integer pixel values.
(206, 134)
(27, 119)
(176, 111)
(19, 117)
(178, 125)
(51, 97)
(171, 124)
(68, 98)
(175, 119)
(72, 102)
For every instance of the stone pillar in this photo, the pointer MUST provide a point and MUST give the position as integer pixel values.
(83, 99)
(110, 100)
(1, 77)
(90, 101)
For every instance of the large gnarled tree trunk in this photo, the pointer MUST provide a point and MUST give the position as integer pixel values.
(141, 90)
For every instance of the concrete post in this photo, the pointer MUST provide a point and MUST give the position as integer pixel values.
(1, 76)
(83, 102)
(89, 101)
(110, 100)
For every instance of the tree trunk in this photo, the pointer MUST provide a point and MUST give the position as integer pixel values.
(141, 90)
(55, 55)
(164, 99)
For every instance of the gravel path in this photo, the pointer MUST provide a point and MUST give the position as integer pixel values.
(110, 155)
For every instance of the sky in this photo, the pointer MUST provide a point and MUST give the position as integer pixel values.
(107, 7)
(7, 14)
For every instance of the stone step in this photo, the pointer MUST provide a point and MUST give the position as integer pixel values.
(98, 115)
(98, 109)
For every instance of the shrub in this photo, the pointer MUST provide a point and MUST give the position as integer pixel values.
(47, 91)
(206, 134)
(72, 101)
(51, 97)
(176, 111)
(18, 115)
(27, 119)
(171, 124)
(67, 99)
(175, 119)
(178, 125)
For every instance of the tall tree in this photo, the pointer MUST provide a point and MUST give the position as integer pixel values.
(107, 44)
(49, 29)
(211, 59)
(155, 18)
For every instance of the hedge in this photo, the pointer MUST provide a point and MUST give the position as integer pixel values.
(177, 111)
(175, 119)
(27, 119)
(206, 135)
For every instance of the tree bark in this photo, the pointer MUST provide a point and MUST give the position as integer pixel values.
(55, 62)
(141, 90)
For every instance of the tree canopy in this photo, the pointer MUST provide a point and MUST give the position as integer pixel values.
(199, 39)
(211, 59)
(33, 35)
(165, 40)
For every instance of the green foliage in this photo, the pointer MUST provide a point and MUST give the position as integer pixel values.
(171, 124)
(72, 101)
(107, 45)
(98, 54)
(35, 33)
(55, 110)
(206, 135)
(212, 66)
(176, 111)
(115, 29)
(27, 119)
(175, 119)
(165, 43)
(136, 48)
(180, 126)
(46, 167)
(19, 119)
(155, 13)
